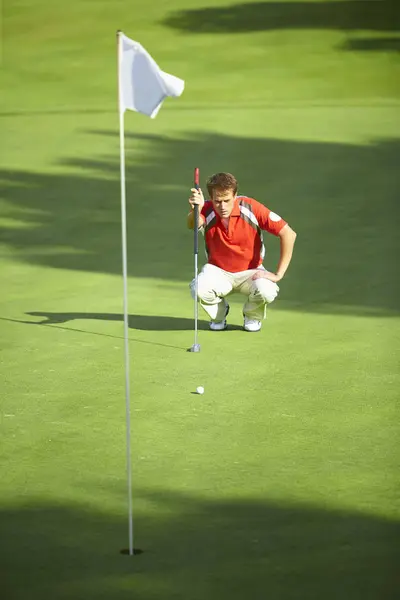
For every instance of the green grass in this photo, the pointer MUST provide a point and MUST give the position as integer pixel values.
(282, 480)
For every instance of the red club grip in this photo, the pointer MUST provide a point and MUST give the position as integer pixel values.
(197, 178)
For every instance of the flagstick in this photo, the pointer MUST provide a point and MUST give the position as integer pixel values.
(126, 323)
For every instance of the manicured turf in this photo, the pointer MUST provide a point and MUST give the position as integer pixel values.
(281, 481)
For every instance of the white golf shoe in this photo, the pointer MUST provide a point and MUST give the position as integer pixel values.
(220, 325)
(251, 324)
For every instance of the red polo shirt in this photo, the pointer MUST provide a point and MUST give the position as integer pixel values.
(240, 247)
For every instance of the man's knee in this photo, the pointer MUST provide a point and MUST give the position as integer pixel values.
(205, 290)
(264, 290)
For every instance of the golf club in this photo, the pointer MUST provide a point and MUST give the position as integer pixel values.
(196, 345)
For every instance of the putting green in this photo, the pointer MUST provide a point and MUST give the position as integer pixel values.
(280, 480)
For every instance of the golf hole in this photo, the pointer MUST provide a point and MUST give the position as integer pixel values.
(135, 551)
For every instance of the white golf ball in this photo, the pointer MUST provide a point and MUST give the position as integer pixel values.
(200, 389)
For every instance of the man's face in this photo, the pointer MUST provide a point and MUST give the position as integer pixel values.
(223, 201)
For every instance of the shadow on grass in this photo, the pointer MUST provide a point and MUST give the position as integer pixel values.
(391, 44)
(340, 198)
(348, 15)
(195, 548)
(87, 332)
(141, 322)
(138, 322)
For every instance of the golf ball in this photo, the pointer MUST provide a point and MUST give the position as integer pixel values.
(200, 389)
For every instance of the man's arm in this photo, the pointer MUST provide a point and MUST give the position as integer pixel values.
(190, 220)
(287, 239)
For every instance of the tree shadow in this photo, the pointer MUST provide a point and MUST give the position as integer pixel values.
(54, 324)
(197, 548)
(391, 44)
(340, 198)
(347, 15)
(140, 322)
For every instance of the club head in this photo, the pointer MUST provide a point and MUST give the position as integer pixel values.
(194, 348)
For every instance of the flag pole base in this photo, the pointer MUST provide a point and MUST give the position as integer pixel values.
(194, 348)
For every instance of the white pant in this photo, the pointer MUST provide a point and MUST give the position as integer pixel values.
(214, 284)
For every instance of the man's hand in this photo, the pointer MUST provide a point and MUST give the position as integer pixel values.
(262, 274)
(196, 198)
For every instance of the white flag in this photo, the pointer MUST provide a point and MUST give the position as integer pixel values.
(143, 86)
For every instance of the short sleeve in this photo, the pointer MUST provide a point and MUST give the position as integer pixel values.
(205, 210)
(267, 219)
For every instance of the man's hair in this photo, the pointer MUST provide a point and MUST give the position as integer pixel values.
(221, 181)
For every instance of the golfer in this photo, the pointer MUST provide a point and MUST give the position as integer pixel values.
(233, 228)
